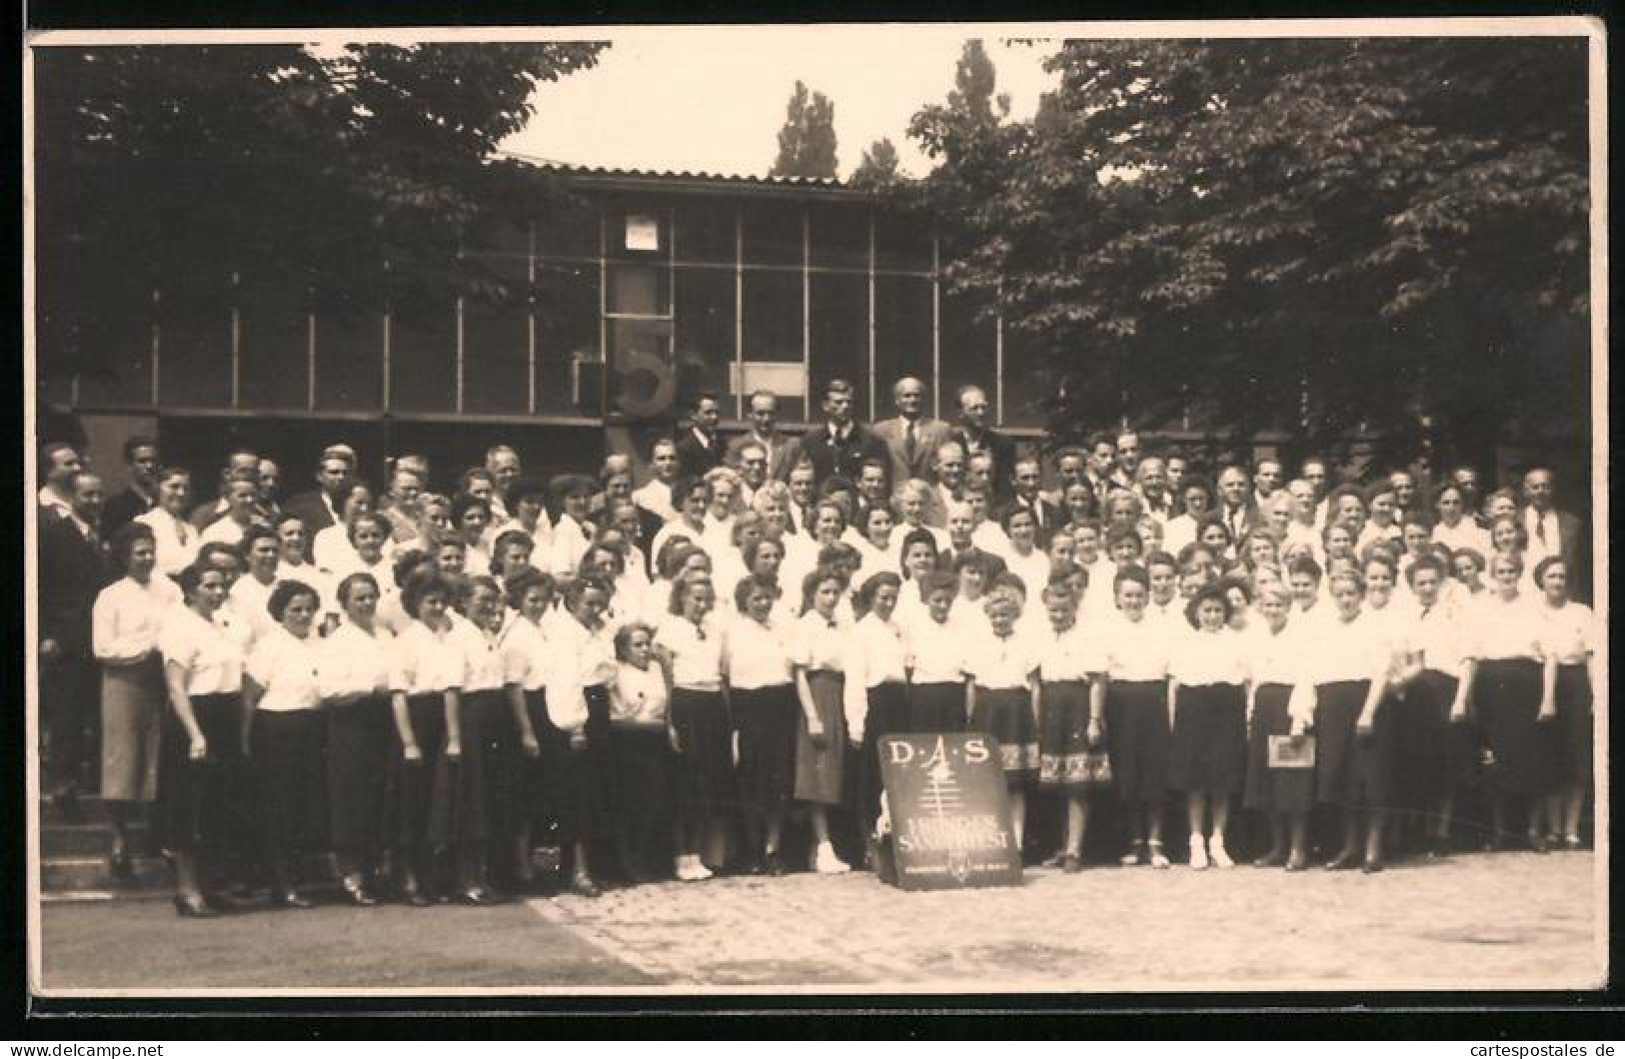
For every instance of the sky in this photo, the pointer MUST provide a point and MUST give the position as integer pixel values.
(713, 98)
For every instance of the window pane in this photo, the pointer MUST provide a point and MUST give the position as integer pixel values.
(902, 243)
(642, 290)
(568, 229)
(567, 319)
(496, 332)
(275, 332)
(839, 236)
(967, 347)
(902, 332)
(641, 382)
(705, 332)
(705, 232)
(773, 316)
(350, 361)
(773, 233)
(840, 336)
(639, 231)
(423, 362)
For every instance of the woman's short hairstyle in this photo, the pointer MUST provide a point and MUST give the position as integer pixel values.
(285, 593)
(1216, 591)
(523, 580)
(1425, 562)
(361, 520)
(463, 503)
(352, 582)
(864, 599)
(1353, 577)
(684, 487)
(580, 586)
(1131, 572)
(423, 582)
(744, 520)
(255, 532)
(623, 637)
(1214, 520)
(754, 548)
(1545, 565)
(192, 576)
(1474, 554)
(1119, 534)
(477, 583)
(939, 581)
(977, 560)
(752, 583)
(680, 587)
(125, 540)
(1516, 524)
(510, 537)
(810, 583)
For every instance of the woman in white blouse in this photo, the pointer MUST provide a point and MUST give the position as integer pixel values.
(1455, 527)
(819, 652)
(640, 749)
(480, 819)
(176, 539)
(125, 623)
(1137, 725)
(1275, 648)
(1571, 641)
(201, 773)
(1072, 716)
(692, 641)
(879, 546)
(762, 697)
(1003, 672)
(284, 736)
(1024, 558)
(876, 690)
(427, 671)
(354, 663)
(334, 548)
(935, 653)
(1350, 671)
(1207, 706)
(1513, 695)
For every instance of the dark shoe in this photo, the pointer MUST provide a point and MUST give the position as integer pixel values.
(1540, 844)
(356, 891)
(1344, 862)
(1070, 864)
(1372, 866)
(193, 906)
(118, 866)
(1272, 859)
(292, 898)
(1297, 862)
(773, 864)
(413, 895)
(1054, 860)
(583, 886)
(477, 897)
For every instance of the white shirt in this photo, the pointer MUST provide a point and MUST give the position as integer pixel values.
(1002, 663)
(224, 531)
(524, 654)
(1545, 537)
(640, 696)
(678, 528)
(817, 642)
(755, 655)
(49, 499)
(289, 669)
(1033, 569)
(355, 662)
(873, 560)
(427, 661)
(1275, 657)
(1201, 658)
(1570, 633)
(211, 656)
(250, 597)
(483, 657)
(1361, 648)
(1436, 634)
(1071, 654)
(655, 496)
(936, 653)
(1498, 629)
(579, 658)
(570, 542)
(696, 651)
(177, 542)
(1135, 650)
(1464, 534)
(875, 657)
(128, 618)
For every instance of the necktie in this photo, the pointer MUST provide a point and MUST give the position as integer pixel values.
(1540, 527)
(911, 444)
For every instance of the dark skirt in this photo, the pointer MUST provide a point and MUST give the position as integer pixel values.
(499, 750)
(359, 741)
(887, 715)
(458, 809)
(1353, 771)
(704, 765)
(1138, 737)
(410, 799)
(820, 770)
(640, 768)
(1274, 790)
(1574, 723)
(205, 805)
(1007, 715)
(292, 780)
(938, 707)
(766, 719)
(1063, 737)
(1506, 696)
(572, 782)
(1436, 757)
(1209, 747)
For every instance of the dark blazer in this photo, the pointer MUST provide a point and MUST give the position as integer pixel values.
(1573, 545)
(1051, 517)
(309, 509)
(649, 524)
(1004, 457)
(72, 570)
(121, 510)
(695, 457)
(845, 457)
(780, 458)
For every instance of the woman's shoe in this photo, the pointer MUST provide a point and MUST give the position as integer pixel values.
(291, 898)
(1135, 855)
(584, 886)
(1344, 862)
(1272, 859)
(1572, 842)
(1218, 854)
(1071, 864)
(193, 906)
(1539, 843)
(356, 891)
(1297, 862)
(1199, 859)
(1159, 855)
(825, 862)
(118, 865)
(1372, 865)
(477, 897)
(773, 864)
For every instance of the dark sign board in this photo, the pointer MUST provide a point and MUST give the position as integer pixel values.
(950, 813)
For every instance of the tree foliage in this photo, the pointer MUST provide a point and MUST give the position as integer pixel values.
(807, 139)
(878, 166)
(176, 167)
(1310, 235)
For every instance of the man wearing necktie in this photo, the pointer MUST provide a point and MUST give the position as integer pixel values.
(1554, 532)
(911, 437)
(1234, 502)
(840, 444)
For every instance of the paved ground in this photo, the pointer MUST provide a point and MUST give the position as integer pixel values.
(1510, 919)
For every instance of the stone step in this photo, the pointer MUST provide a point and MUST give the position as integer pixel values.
(59, 875)
(89, 840)
(91, 810)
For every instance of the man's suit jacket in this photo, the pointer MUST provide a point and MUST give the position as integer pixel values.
(844, 457)
(1051, 517)
(695, 457)
(780, 455)
(121, 510)
(1004, 458)
(930, 435)
(72, 570)
(309, 508)
(1572, 545)
(1250, 520)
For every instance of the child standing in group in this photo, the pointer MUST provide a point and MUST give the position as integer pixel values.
(762, 698)
(935, 655)
(1207, 705)
(819, 654)
(1071, 706)
(699, 718)
(1003, 676)
(876, 691)
(1137, 715)
(640, 748)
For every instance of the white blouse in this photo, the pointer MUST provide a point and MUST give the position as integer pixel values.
(640, 696)
(483, 657)
(210, 654)
(1358, 649)
(1570, 632)
(1001, 663)
(427, 661)
(355, 662)
(289, 669)
(696, 651)
(819, 643)
(755, 655)
(128, 618)
(1505, 630)
(524, 655)
(1201, 658)
(250, 598)
(1069, 655)
(1437, 634)
(177, 542)
(1033, 569)
(1135, 650)
(936, 653)
(1275, 657)
(876, 655)
(579, 658)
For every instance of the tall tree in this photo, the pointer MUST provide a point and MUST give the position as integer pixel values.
(807, 139)
(878, 166)
(173, 168)
(1312, 235)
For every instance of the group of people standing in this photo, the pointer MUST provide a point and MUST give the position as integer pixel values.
(434, 696)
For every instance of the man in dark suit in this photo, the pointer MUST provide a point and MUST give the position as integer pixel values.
(912, 437)
(1554, 532)
(141, 463)
(778, 447)
(1026, 493)
(318, 508)
(962, 524)
(839, 445)
(698, 447)
(976, 437)
(1235, 502)
(72, 570)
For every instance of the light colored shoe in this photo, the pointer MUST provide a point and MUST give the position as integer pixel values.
(1134, 857)
(700, 871)
(1198, 853)
(1218, 854)
(689, 869)
(1159, 858)
(827, 863)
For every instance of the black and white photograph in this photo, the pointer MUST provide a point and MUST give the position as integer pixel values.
(851, 509)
